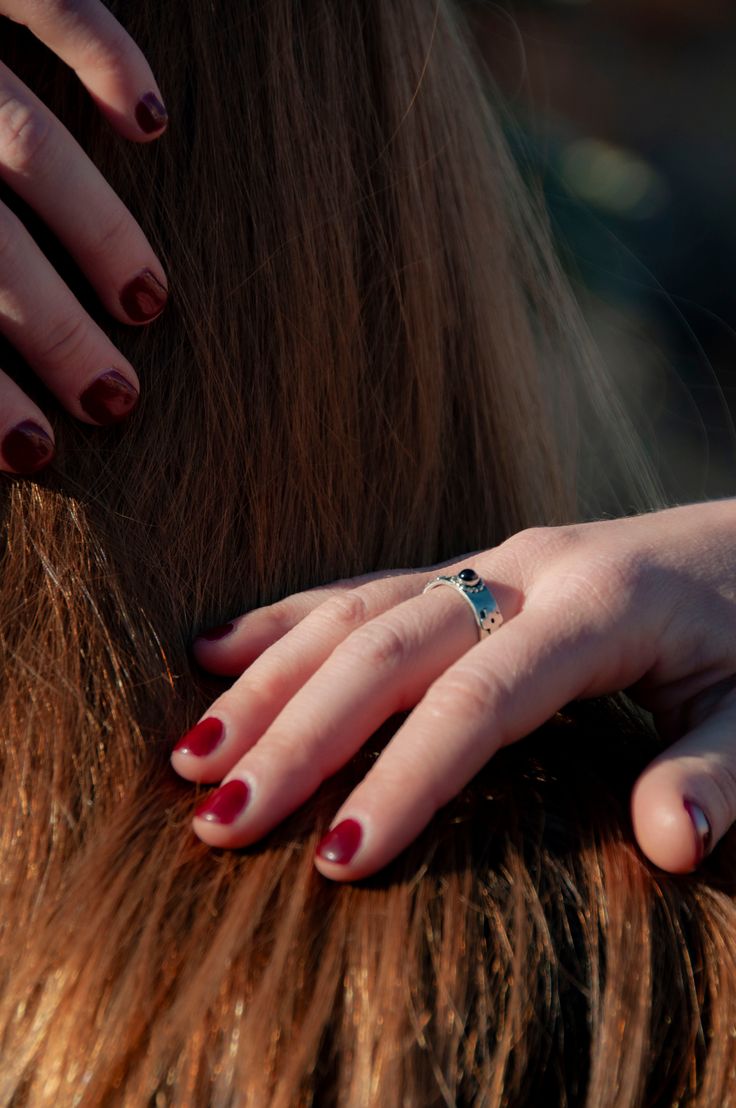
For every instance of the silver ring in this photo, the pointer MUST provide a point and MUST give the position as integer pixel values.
(480, 598)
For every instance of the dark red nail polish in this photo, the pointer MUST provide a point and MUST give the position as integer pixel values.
(110, 398)
(225, 804)
(340, 844)
(203, 738)
(702, 828)
(144, 297)
(150, 114)
(216, 633)
(27, 448)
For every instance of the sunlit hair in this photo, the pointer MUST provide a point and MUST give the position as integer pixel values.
(369, 360)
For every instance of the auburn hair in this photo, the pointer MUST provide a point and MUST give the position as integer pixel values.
(369, 360)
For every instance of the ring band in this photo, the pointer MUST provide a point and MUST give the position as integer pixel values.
(480, 598)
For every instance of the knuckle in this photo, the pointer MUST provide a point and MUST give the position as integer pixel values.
(112, 52)
(543, 541)
(536, 548)
(64, 341)
(109, 240)
(24, 134)
(468, 696)
(376, 645)
(347, 610)
(529, 537)
(298, 758)
(278, 619)
(260, 693)
(589, 569)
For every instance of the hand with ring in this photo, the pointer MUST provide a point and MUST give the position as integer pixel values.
(482, 653)
(47, 169)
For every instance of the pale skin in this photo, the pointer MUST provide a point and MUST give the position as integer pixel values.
(39, 315)
(646, 604)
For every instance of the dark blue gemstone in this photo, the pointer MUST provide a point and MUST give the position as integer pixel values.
(468, 576)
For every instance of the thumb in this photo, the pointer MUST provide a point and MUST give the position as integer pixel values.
(685, 800)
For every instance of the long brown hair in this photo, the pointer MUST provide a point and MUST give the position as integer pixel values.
(369, 360)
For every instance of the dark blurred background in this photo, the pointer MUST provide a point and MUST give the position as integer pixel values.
(626, 110)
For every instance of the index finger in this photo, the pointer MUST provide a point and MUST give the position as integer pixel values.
(85, 35)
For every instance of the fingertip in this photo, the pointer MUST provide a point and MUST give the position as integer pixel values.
(142, 122)
(27, 448)
(151, 116)
(338, 851)
(110, 398)
(144, 297)
(216, 655)
(183, 766)
(198, 771)
(672, 831)
(228, 649)
(191, 755)
(332, 873)
(215, 634)
(217, 817)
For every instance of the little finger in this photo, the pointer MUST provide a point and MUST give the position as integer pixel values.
(238, 718)
(332, 612)
(382, 668)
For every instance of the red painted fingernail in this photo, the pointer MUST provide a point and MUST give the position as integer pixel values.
(225, 804)
(702, 828)
(216, 633)
(110, 398)
(203, 738)
(150, 114)
(340, 844)
(144, 297)
(27, 448)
